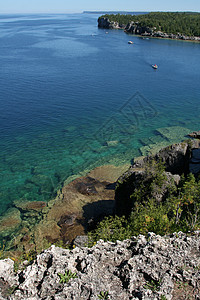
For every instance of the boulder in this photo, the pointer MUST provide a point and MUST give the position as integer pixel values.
(7, 271)
(195, 134)
(81, 241)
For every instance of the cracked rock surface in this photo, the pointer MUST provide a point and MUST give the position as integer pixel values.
(140, 268)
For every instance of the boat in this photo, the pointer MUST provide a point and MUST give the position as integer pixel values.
(155, 66)
(130, 42)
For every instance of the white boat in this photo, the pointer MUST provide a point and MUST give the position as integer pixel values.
(130, 42)
(155, 66)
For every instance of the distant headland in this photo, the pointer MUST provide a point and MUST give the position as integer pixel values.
(173, 25)
(115, 12)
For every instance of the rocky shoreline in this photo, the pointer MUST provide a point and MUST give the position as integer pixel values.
(141, 268)
(134, 28)
(37, 224)
(33, 226)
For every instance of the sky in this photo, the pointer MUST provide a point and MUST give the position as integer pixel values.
(68, 6)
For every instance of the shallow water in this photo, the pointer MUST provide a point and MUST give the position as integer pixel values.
(74, 97)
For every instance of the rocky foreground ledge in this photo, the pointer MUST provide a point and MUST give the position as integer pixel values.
(141, 268)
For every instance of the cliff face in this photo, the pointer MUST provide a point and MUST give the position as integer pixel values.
(134, 28)
(140, 268)
(107, 24)
(178, 159)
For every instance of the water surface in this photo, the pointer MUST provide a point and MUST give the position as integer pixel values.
(74, 96)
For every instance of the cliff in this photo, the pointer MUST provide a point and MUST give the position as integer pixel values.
(146, 31)
(140, 268)
(178, 159)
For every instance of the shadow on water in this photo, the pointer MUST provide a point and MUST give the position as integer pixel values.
(111, 186)
(96, 211)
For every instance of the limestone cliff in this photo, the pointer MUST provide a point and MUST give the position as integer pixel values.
(134, 28)
(178, 159)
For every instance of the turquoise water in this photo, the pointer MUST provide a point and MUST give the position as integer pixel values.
(74, 97)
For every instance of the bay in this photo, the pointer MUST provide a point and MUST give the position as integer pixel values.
(74, 97)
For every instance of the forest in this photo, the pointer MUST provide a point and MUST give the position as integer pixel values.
(185, 23)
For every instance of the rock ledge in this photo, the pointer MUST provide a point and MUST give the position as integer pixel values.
(140, 268)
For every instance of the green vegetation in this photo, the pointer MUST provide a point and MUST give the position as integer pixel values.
(103, 295)
(2, 250)
(28, 256)
(153, 285)
(185, 23)
(110, 229)
(64, 278)
(179, 211)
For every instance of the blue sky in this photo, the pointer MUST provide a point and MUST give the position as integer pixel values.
(64, 6)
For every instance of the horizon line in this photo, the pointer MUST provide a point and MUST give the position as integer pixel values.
(95, 11)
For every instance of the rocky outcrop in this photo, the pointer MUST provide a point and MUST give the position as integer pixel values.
(195, 134)
(107, 24)
(135, 28)
(177, 158)
(141, 268)
(194, 165)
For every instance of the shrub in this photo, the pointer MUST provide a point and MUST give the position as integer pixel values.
(110, 229)
(180, 210)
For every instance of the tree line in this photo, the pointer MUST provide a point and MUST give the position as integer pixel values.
(185, 23)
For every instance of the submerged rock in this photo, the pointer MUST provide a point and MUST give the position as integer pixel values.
(77, 207)
(10, 222)
(173, 133)
(30, 205)
(111, 143)
(34, 225)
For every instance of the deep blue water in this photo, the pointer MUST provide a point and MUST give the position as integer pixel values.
(74, 96)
